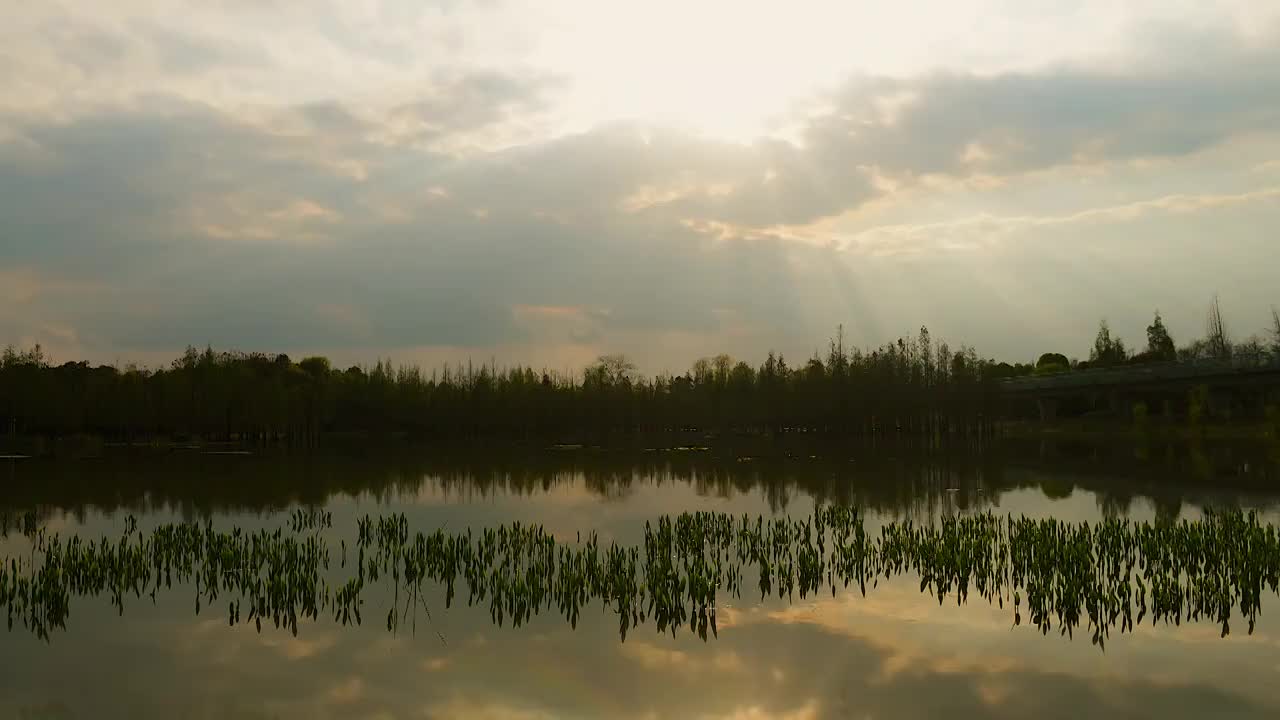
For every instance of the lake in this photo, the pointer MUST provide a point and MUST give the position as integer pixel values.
(896, 652)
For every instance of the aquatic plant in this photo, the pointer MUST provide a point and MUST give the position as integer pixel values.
(1100, 577)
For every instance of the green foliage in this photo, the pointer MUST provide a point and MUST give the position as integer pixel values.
(1050, 363)
(908, 386)
(1005, 370)
(1140, 414)
(1160, 345)
(316, 367)
(1106, 349)
(1197, 404)
(1100, 577)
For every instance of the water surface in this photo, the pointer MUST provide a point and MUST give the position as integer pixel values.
(894, 653)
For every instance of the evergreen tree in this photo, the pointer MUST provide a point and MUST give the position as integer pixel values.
(1160, 345)
(1106, 349)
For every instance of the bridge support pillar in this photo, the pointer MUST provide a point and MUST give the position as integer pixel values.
(1048, 409)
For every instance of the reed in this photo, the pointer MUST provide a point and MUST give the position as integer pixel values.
(1097, 577)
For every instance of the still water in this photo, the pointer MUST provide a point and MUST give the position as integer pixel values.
(895, 653)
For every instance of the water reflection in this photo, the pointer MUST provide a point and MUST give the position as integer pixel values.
(887, 658)
(1059, 575)
(900, 481)
(893, 654)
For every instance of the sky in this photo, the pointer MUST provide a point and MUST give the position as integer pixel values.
(544, 182)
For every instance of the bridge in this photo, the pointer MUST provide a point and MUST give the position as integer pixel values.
(1240, 384)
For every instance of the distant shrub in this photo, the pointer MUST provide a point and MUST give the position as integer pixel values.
(1197, 404)
(1148, 356)
(1050, 369)
(1052, 362)
(1140, 414)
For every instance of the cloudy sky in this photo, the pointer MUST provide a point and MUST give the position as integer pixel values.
(546, 181)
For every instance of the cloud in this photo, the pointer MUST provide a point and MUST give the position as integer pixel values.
(1017, 122)
(470, 105)
(237, 217)
(877, 135)
(482, 710)
(294, 649)
(34, 308)
(808, 711)
(349, 691)
(435, 664)
(983, 230)
(446, 208)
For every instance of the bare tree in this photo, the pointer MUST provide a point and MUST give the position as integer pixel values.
(612, 370)
(1219, 345)
(1253, 350)
(1275, 333)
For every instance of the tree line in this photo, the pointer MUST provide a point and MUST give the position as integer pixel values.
(1109, 350)
(913, 385)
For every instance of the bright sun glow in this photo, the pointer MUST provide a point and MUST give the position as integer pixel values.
(730, 70)
(735, 70)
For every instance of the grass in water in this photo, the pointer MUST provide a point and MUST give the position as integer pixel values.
(1049, 573)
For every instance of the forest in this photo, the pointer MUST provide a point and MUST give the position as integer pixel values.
(913, 385)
